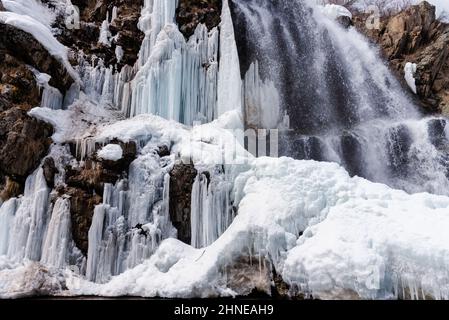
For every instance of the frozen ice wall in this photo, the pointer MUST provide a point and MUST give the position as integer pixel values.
(189, 81)
(33, 228)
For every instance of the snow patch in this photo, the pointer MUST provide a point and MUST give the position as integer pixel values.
(112, 152)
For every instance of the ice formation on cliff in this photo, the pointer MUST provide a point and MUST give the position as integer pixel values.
(326, 233)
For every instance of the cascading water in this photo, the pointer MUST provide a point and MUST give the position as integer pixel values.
(343, 103)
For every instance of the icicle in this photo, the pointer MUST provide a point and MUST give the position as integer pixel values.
(262, 100)
(119, 53)
(30, 221)
(95, 238)
(229, 81)
(56, 247)
(132, 221)
(210, 209)
(7, 211)
(85, 147)
(114, 14)
(51, 97)
(105, 34)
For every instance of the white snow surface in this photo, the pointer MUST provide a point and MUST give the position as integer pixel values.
(360, 239)
(326, 233)
(113, 152)
(79, 121)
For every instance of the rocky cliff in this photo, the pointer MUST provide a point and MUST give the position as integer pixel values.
(415, 35)
(25, 141)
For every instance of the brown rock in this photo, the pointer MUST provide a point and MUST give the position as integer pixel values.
(24, 47)
(182, 178)
(124, 28)
(23, 140)
(415, 35)
(190, 13)
(10, 189)
(82, 205)
(50, 171)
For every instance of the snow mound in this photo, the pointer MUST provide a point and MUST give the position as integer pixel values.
(112, 152)
(326, 233)
(28, 280)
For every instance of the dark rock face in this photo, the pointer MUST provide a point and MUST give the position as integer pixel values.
(85, 186)
(17, 84)
(24, 47)
(50, 171)
(182, 178)
(24, 142)
(190, 13)
(345, 21)
(92, 14)
(82, 205)
(415, 35)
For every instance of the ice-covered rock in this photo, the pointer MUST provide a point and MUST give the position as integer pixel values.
(112, 152)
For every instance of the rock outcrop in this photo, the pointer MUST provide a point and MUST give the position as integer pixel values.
(182, 178)
(24, 141)
(85, 186)
(415, 35)
(190, 13)
(123, 29)
(24, 47)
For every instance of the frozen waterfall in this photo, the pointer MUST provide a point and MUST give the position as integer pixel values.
(133, 219)
(189, 81)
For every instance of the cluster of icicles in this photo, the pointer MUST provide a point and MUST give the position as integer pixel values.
(173, 78)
